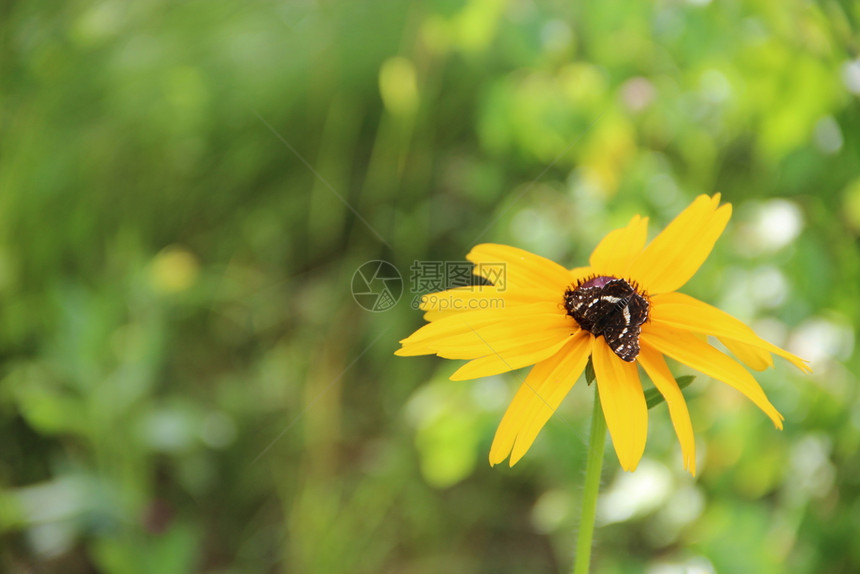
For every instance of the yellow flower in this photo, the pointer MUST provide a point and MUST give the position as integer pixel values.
(527, 317)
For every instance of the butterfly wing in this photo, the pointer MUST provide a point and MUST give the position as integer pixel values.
(624, 327)
(615, 311)
(611, 301)
(587, 307)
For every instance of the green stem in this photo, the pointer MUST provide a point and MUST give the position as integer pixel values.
(593, 466)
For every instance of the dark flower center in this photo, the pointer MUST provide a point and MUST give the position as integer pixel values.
(612, 308)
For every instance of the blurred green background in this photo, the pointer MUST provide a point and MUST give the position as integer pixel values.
(187, 188)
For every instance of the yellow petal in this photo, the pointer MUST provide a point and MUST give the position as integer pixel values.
(623, 403)
(500, 346)
(553, 383)
(615, 253)
(521, 269)
(684, 312)
(508, 340)
(677, 253)
(431, 316)
(538, 397)
(530, 348)
(460, 328)
(580, 273)
(655, 366)
(688, 349)
(753, 357)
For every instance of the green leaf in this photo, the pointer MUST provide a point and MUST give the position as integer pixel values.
(653, 396)
(589, 372)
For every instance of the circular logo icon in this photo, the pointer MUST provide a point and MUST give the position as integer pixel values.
(377, 286)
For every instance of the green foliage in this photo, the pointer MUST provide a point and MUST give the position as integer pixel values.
(187, 188)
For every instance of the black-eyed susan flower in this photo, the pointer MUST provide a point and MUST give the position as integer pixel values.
(623, 310)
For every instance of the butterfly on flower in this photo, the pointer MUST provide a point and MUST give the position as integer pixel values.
(623, 311)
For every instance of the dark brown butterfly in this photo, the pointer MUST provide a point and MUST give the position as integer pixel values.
(612, 308)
